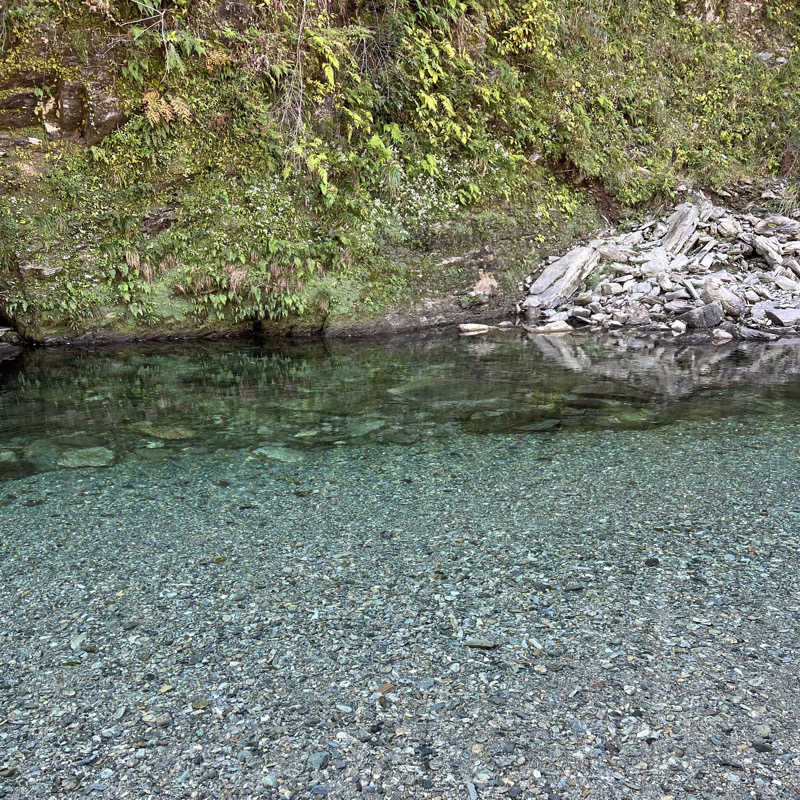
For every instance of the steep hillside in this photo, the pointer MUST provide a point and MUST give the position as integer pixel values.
(193, 165)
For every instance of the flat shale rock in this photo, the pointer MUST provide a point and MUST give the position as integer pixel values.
(680, 226)
(708, 316)
(86, 457)
(658, 260)
(729, 228)
(714, 291)
(562, 277)
(785, 317)
(755, 335)
(778, 224)
(769, 248)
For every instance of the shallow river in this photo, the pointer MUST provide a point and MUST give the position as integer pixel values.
(231, 405)
(428, 567)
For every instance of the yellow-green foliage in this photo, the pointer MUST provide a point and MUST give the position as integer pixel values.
(297, 141)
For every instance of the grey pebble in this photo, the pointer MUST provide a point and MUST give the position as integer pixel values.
(319, 760)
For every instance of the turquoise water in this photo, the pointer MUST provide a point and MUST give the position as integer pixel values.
(213, 557)
(111, 408)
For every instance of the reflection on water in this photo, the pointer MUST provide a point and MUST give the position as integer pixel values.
(71, 409)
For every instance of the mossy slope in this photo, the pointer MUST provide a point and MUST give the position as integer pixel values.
(302, 164)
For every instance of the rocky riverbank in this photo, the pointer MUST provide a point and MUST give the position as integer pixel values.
(158, 179)
(698, 273)
(704, 271)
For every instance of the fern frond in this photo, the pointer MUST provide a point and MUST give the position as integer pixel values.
(181, 108)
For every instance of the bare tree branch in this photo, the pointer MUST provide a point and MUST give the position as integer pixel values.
(293, 101)
(4, 25)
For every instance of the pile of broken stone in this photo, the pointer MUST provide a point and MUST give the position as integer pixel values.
(703, 270)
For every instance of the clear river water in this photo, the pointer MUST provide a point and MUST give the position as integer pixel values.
(414, 568)
(234, 406)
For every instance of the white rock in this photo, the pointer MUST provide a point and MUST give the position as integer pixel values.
(778, 224)
(678, 327)
(679, 263)
(713, 290)
(792, 264)
(552, 327)
(785, 283)
(665, 283)
(720, 336)
(769, 248)
(472, 328)
(680, 226)
(785, 317)
(561, 278)
(706, 210)
(658, 260)
(729, 228)
(610, 252)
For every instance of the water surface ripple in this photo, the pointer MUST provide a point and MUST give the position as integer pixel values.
(67, 409)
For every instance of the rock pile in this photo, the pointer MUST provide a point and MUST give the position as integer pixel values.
(704, 269)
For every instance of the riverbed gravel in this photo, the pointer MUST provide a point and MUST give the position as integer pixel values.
(601, 614)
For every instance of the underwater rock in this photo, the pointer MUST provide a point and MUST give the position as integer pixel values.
(86, 457)
(279, 453)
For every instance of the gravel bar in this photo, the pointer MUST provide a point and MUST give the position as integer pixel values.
(591, 614)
